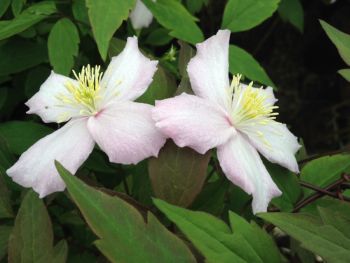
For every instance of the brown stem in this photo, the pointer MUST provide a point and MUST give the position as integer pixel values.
(346, 150)
(321, 190)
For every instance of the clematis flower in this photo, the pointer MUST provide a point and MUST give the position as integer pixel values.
(140, 16)
(237, 119)
(99, 108)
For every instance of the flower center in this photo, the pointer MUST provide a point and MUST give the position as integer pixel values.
(85, 93)
(250, 106)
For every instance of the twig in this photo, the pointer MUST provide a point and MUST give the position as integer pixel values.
(321, 190)
(346, 150)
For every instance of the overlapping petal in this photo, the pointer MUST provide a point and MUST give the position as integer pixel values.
(128, 75)
(243, 166)
(193, 121)
(208, 69)
(126, 132)
(140, 16)
(46, 102)
(276, 143)
(70, 145)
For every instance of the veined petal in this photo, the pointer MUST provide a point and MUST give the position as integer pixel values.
(128, 75)
(208, 69)
(193, 121)
(126, 132)
(46, 102)
(242, 165)
(276, 143)
(70, 145)
(140, 16)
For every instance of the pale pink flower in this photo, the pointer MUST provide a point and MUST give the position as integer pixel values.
(98, 109)
(237, 119)
(140, 16)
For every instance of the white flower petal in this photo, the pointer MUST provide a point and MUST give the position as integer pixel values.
(208, 69)
(276, 143)
(193, 121)
(46, 104)
(126, 132)
(128, 75)
(242, 165)
(70, 145)
(140, 16)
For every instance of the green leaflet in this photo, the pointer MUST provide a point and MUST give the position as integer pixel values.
(240, 242)
(105, 18)
(243, 63)
(242, 15)
(178, 174)
(339, 39)
(63, 36)
(124, 235)
(326, 235)
(324, 170)
(174, 16)
(26, 19)
(19, 141)
(32, 237)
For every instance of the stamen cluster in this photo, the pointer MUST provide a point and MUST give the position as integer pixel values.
(86, 92)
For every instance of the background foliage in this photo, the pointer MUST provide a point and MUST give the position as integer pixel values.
(180, 207)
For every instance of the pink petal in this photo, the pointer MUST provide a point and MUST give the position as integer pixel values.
(46, 104)
(193, 121)
(70, 145)
(129, 74)
(277, 144)
(242, 165)
(208, 70)
(126, 132)
(140, 16)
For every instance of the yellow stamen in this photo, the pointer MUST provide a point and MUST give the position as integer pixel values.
(251, 107)
(86, 93)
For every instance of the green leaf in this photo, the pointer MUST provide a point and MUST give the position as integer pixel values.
(116, 46)
(243, 63)
(17, 6)
(163, 86)
(185, 55)
(32, 237)
(194, 6)
(241, 15)
(340, 219)
(5, 200)
(80, 13)
(35, 78)
(5, 232)
(19, 141)
(18, 55)
(345, 73)
(4, 5)
(124, 235)
(63, 36)
(105, 18)
(321, 237)
(212, 198)
(292, 11)
(217, 242)
(60, 252)
(27, 18)
(288, 183)
(325, 170)
(172, 15)
(178, 174)
(158, 37)
(339, 39)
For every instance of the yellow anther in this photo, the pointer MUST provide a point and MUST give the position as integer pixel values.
(85, 93)
(250, 105)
